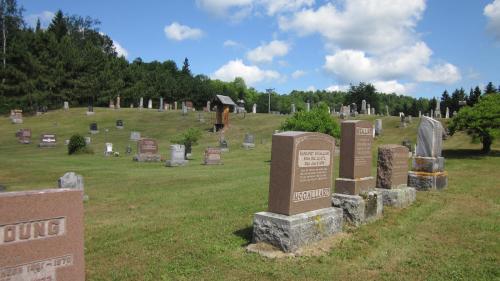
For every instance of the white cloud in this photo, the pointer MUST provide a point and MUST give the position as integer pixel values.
(407, 62)
(392, 86)
(279, 6)
(122, 52)
(311, 89)
(338, 88)
(267, 52)
(231, 44)
(492, 12)
(250, 73)
(45, 19)
(179, 32)
(298, 73)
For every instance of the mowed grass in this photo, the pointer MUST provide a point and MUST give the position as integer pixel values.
(145, 221)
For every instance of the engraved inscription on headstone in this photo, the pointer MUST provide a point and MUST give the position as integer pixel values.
(212, 156)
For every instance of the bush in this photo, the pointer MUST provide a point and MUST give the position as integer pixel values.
(76, 144)
(189, 138)
(317, 120)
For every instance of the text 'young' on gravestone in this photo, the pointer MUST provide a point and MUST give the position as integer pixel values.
(44, 239)
(299, 208)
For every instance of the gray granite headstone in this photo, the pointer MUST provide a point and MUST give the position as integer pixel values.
(135, 136)
(73, 181)
(378, 127)
(363, 107)
(177, 156)
(429, 139)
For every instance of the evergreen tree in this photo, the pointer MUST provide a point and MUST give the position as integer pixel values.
(474, 96)
(490, 89)
(185, 67)
(59, 25)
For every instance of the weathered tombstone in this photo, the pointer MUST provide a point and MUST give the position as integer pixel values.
(24, 136)
(308, 107)
(419, 114)
(161, 105)
(118, 102)
(254, 108)
(373, 111)
(249, 141)
(392, 176)
(363, 107)
(299, 208)
(47, 141)
(208, 106)
(177, 156)
(293, 108)
(90, 108)
(150, 104)
(184, 109)
(111, 104)
(135, 136)
(119, 124)
(212, 156)
(109, 149)
(223, 145)
(16, 116)
(368, 109)
(43, 240)
(447, 114)
(128, 149)
(88, 140)
(66, 105)
(355, 188)
(378, 127)
(175, 105)
(66, 142)
(437, 111)
(73, 181)
(93, 128)
(141, 103)
(402, 124)
(428, 164)
(147, 151)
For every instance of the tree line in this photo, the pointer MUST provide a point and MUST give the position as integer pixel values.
(71, 60)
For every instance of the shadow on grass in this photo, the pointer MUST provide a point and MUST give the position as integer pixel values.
(474, 154)
(246, 234)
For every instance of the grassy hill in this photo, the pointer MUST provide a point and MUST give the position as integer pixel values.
(145, 221)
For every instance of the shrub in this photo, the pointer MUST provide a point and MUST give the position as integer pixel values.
(317, 120)
(189, 138)
(76, 144)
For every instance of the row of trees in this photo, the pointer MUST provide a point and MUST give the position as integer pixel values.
(72, 61)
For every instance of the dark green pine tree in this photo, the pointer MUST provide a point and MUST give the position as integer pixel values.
(490, 89)
(59, 25)
(38, 25)
(445, 101)
(185, 67)
(474, 96)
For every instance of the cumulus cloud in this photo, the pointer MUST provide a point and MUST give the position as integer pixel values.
(45, 18)
(337, 88)
(231, 44)
(266, 52)
(250, 73)
(392, 86)
(409, 62)
(298, 73)
(122, 52)
(492, 12)
(179, 32)
(279, 6)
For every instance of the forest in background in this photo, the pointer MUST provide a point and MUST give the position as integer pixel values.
(71, 60)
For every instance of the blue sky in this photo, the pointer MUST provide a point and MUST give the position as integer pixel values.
(413, 47)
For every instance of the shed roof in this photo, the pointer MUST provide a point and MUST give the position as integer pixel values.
(225, 100)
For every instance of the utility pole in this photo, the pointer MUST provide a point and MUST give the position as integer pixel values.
(269, 91)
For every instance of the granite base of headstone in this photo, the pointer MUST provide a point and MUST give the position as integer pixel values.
(42, 235)
(73, 181)
(289, 233)
(360, 209)
(177, 157)
(392, 174)
(90, 113)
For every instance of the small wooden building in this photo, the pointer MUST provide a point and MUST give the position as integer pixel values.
(223, 104)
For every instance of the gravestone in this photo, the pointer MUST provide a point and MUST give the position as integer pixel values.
(249, 141)
(392, 176)
(111, 104)
(254, 108)
(66, 105)
(363, 107)
(47, 141)
(147, 151)
(428, 165)
(419, 114)
(108, 149)
(141, 103)
(16, 116)
(355, 187)
(88, 140)
(223, 145)
(161, 105)
(24, 136)
(150, 104)
(177, 156)
(208, 106)
(72, 180)
(128, 149)
(41, 235)
(378, 127)
(135, 136)
(299, 208)
(447, 114)
(212, 156)
(118, 102)
(308, 107)
(119, 124)
(387, 110)
(368, 109)
(175, 105)
(293, 108)
(373, 111)
(93, 128)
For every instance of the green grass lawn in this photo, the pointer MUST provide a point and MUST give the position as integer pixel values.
(145, 221)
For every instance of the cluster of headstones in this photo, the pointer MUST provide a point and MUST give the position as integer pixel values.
(302, 209)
